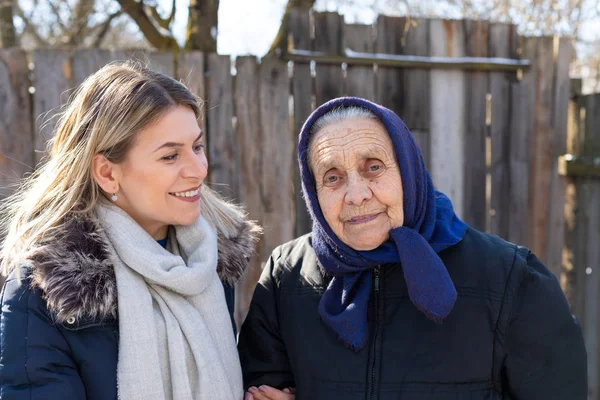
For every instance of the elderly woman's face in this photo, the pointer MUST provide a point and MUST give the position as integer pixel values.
(358, 181)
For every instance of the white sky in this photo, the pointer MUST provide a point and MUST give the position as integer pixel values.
(249, 26)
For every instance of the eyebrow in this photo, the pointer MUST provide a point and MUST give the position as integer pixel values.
(365, 153)
(175, 144)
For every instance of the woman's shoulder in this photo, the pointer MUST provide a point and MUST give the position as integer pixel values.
(72, 272)
(482, 259)
(295, 263)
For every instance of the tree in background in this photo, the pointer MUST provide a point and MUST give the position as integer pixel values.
(8, 35)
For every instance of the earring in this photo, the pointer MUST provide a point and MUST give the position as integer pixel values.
(114, 197)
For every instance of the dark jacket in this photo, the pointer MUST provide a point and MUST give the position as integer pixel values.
(510, 335)
(59, 328)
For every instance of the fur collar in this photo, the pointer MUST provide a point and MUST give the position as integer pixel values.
(77, 279)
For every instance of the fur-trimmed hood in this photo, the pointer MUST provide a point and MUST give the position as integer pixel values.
(73, 270)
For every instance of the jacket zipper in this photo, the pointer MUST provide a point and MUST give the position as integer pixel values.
(376, 289)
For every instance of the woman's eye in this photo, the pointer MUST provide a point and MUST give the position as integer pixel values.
(375, 167)
(198, 148)
(170, 157)
(331, 179)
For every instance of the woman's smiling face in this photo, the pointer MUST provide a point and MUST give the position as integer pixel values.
(358, 181)
(161, 176)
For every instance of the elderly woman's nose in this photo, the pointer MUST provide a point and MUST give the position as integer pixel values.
(358, 190)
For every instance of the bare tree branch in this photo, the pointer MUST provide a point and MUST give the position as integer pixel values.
(104, 27)
(29, 27)
(280, 41)
(163, 22)
(203, 20)
(158, 37)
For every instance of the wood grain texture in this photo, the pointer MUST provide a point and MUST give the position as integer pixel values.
(302, 89)
(448, 113)
(250, 142)
(190, 71)
(329, 82)
(87, 61)
(52, 83)
(16, 129)
(223, 153)
(474, 166)
(276, 180)
(359, 81)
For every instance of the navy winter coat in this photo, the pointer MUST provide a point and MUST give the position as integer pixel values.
(510, 334)
(46, 353)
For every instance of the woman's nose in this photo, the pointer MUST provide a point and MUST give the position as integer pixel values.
(358, 190)
(196, 166)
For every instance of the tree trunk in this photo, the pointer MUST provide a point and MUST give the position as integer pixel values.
(280, 42)
(8, 35)
(203, 22)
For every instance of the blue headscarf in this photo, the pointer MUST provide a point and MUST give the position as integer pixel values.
(430, 226)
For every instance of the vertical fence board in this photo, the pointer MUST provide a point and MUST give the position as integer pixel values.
(540, 80)
(250, 141)
(360, 81)
(329, 81)
(474, 165)
(191, 72)
(222, 149)
(448, 117)
(16, 130)
(519, 163)
(277, 164)
(581, 280)
(86, 62)
(302, 87)
(390, 81)
(556, 215)
(52, 77)
(415, 85)
(500, 46)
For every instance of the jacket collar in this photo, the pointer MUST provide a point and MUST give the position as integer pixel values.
(72, 267)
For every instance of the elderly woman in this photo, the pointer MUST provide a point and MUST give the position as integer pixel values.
(392, 296)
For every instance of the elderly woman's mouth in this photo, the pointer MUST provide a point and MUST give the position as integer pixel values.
(362, 219)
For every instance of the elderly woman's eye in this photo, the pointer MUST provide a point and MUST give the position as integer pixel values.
(375, 167)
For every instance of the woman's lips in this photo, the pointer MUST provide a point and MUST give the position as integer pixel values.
(362, 219)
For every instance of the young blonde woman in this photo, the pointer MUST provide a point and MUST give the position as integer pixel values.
(119, 260)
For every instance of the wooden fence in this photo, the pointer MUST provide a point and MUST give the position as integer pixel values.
(491, 136)
(581, 275)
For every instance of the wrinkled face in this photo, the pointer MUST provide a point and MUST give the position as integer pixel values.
(358, 181)
(160, 178)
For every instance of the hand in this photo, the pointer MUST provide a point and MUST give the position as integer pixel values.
(265, 392)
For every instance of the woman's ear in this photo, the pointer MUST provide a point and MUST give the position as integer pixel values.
(105, 173)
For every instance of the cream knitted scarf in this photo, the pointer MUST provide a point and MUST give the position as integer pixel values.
(175, 335)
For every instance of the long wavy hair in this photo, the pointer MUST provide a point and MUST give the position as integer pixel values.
(103, 116)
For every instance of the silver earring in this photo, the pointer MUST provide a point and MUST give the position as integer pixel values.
(114, 197)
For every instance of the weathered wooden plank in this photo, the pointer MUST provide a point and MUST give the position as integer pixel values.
(161, 61)
(359, 81)
(329, 82)
(518, 157)
(591, 326)
(556, 198)
(390, 81)
(191, 72)
(277, 162)
(302, 89)
(52, 83)
(223, 153)
(540, 79)
(447, 118)
(474, 166)
(250, 140)
(500, 135)
(16, 128)
(87, 61)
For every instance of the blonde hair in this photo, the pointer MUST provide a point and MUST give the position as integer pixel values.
(103, 116)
